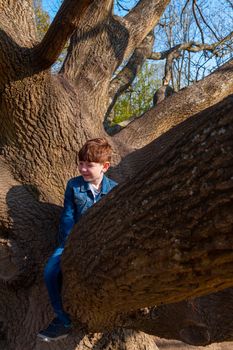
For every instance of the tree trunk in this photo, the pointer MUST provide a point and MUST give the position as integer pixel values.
(44, 120)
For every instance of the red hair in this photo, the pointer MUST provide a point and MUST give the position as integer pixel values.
(96, 150)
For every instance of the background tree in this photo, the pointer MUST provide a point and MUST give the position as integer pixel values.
(138, 98)
(182, 36)
(162, 236)
(42, 18)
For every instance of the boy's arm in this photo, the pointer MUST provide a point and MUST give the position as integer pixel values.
(67, 219)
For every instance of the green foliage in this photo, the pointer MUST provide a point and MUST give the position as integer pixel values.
(42, 19)
(139, 97)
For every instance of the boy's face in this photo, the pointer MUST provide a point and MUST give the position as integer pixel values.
(92, 172)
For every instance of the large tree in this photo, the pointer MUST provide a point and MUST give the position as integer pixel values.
(164, 235)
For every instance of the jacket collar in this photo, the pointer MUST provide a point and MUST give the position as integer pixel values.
(105, 188)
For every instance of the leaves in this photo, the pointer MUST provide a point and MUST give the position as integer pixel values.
(139, 98)
(42, 19)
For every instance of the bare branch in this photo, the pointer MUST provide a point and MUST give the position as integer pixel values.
(182, 12)
(168, 115)
(120, 6)
(208, 26)
(230, 3)
(168, 66)
(197, 22)
(60, 30)
(191, 46)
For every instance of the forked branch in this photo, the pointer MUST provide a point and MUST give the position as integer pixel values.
(60, 30)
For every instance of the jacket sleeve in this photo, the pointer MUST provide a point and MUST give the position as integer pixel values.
(67, 219)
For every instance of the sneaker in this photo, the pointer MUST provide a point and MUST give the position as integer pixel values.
(55, 331)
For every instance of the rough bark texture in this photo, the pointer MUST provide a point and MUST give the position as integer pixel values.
(178, 108)
(168, 234)
(178, 203)
(195, 321)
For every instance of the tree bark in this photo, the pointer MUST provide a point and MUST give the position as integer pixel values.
(194, 321)
(178, 108)
(44, 120)
(179, 218)
(64, 24)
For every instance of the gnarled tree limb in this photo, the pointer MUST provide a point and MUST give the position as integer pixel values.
(126, 35)
(178, 108)
(60, 30)
(173, 236)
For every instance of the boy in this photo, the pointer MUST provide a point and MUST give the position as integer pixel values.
(81, 193)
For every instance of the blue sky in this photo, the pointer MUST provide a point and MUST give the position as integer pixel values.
(51, 6)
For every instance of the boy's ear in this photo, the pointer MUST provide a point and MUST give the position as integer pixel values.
(106, 166)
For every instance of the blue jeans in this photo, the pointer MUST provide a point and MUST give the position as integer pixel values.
(53, 281)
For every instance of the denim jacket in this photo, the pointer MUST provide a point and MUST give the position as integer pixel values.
(78, 198)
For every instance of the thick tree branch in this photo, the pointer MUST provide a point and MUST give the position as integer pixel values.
(88, 39)
(126, 76)
(173, 235)
(15, 15)
(181, 105)
(199, 321)
(60, 30)
(121, 36)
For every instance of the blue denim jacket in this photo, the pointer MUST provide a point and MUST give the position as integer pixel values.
(78, 198)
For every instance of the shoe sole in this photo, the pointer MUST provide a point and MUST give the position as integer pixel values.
(48, 339)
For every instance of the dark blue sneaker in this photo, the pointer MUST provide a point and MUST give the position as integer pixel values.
(55, 331)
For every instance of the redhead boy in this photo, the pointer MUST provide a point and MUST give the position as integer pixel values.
(81, 193)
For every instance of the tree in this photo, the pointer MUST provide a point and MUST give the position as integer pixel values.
(139, 97)
(182, 34)
(173, 209)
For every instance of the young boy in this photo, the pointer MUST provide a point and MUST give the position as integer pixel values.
(81, 193)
